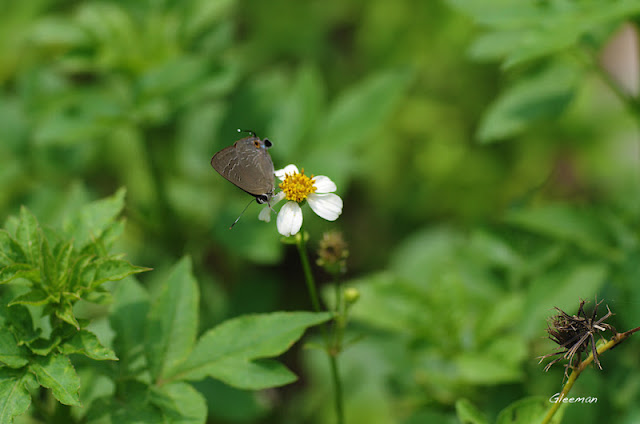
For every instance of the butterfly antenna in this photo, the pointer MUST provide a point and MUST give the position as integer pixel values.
(243, 210)
(253, 134)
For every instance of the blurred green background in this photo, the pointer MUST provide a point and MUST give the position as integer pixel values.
(488, 167)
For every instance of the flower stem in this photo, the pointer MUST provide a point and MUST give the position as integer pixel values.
(331, 351)
(306, 267)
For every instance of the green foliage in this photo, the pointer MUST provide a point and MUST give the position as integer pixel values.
(484, 149)
(51, 271)
(159, 354)
(156, 346)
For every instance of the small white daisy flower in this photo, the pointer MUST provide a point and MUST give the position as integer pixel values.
(296, 188)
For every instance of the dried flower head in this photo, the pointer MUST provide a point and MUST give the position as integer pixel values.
(574, 334)
(333, 252)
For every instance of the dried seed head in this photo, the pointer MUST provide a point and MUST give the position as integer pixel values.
(333, 252)
(574, 334)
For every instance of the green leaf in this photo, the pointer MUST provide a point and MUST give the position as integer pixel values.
(358, 111)
(537, 97)
(467, 413)
(92, 220)
(114, 270)
(204, 15)
(528, 411)
(10, 250)
(127, 318)
(97, 272)
(172, 323)
(180, 403)
(100, 296)
(44, 347)
(299, 112)
(11, 354)
(32, 297)
(131, 405)
(63, 253)
(230, 352)
(28, 236)
(14, 396)
(21, 323)
(86, 343)
(482, 368)
(17, 270)
(353, 117)
(64, 311)
(55, 372)
(567, 223)
(48, 266)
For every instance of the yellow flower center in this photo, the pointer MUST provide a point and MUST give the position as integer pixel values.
(297, 187)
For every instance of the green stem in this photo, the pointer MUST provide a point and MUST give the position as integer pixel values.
(331, 351)
(306, 267)
(618, 338)
(337, 387)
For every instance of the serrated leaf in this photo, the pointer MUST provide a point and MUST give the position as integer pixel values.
(21, 323)
(55, 372)
(32, 297)
(63, 253)
(11, 354)
(86, 343)
(173, 321)
(114, 270)
(233, 351)
(48, 266)
(28, 236)
(14, 396)
(17, 270)
(44, 347)
(531, 99)
(10, 250)
(82, 271)
(64, 311)
(92, 220)
(180, 403)
(100, 271)
(108, 237)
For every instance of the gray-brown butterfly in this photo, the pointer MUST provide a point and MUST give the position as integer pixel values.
(248, 165)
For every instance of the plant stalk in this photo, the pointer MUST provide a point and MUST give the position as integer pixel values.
(331, 351)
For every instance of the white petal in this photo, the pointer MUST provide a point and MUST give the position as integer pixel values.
(277, 198)
(324, 184)
(289, 169)
(326, 205)
(265, 214)
(289, 219)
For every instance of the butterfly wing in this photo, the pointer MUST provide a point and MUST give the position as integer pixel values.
(248, 165)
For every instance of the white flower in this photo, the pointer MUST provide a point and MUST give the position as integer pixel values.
(296, 188)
